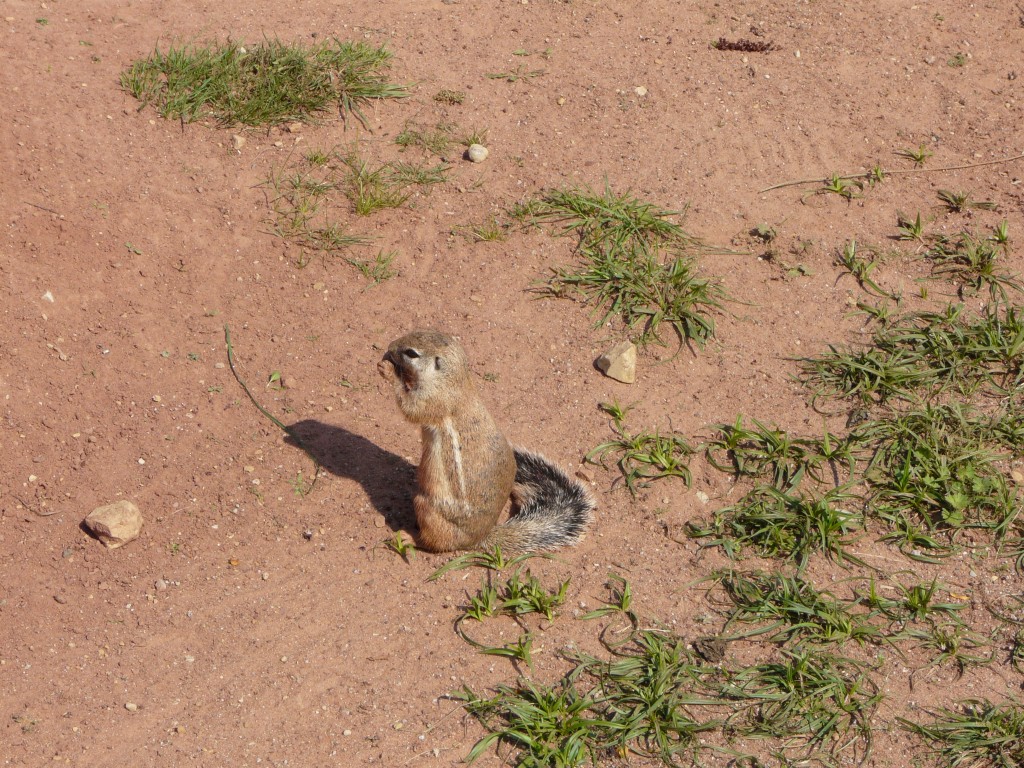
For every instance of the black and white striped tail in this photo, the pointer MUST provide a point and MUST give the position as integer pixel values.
(550, 509)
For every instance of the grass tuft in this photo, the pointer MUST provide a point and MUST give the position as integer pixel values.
(976, 733)
(645, 456)
(635, 263)
(268, 84)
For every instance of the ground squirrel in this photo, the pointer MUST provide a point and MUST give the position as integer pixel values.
(468, 470)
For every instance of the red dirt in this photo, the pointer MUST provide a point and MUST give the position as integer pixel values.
(131, 241)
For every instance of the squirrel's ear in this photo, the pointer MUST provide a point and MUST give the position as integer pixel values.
(437, 363)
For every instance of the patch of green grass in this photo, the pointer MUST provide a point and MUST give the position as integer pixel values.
(550, 725)
(779, 524)
(976, 733)
(474, 136)
(318, 157)
(267, 84)
(495, 560)
(492, 230)
(372, 189)
(647, 697)
(814, 702)
(645, 456)
(773, 454)
(620, 604)
(518, 596)
(1001, 233)
(975, 263)
(635, 263)
(300, 204)
(790, 609)
(378, 269)
(953, 644)
(913, 603)
(418, 174)
(436, 140)
(919, 355)
(932, 476)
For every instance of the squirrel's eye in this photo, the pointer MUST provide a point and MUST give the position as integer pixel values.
(412, 354)
(437, 363)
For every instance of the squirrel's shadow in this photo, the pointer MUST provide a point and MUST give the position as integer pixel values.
(388, 480)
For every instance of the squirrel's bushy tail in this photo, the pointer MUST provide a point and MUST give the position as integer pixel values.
(549, 508)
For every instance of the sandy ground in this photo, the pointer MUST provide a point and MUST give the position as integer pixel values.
(251, 624)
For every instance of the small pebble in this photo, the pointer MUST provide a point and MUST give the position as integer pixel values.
(160, 585)
(131, 707)
(640, 90)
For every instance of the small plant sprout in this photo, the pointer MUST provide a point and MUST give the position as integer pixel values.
(401, 546)
(300, 486)
(861, 268)
(474, 136)
(378, 269)
(490, 231)
(519, 651)
(960, 201)
(1001, 233)
(764, 232)
(919, 156)
(845, 187)
(318, 157)
(910, 229)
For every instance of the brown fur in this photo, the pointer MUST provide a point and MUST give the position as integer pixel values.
(468, 471)
(467, 468)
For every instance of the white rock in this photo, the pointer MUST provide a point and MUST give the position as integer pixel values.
(477, 153)
(619, 362)
(115, 524)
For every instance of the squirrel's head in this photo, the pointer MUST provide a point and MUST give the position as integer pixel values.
(429, 373)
